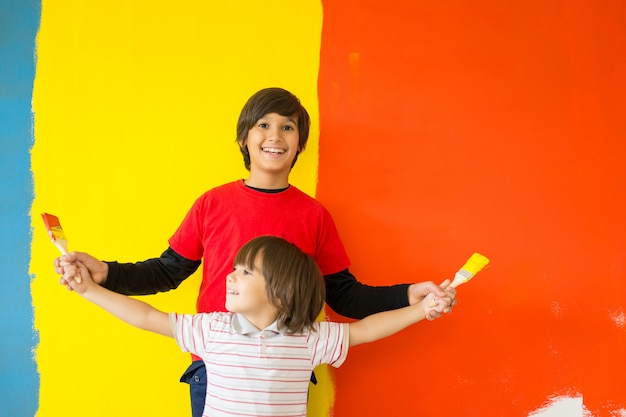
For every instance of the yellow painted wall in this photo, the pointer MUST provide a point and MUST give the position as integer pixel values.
(135, 107)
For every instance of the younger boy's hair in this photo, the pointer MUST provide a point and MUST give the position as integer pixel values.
(271, 100)
(294, 283)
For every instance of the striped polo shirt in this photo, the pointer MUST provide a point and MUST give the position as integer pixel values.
(257, 373)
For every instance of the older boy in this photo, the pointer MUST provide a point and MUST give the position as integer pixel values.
(272, 130)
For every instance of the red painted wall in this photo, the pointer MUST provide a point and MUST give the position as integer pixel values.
(454, 127)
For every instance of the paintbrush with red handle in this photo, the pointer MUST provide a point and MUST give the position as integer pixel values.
(57, 235)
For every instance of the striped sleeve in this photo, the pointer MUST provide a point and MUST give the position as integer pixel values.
(329, 343)
(190, 331)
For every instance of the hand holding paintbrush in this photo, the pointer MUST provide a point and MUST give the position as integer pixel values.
(75, 269)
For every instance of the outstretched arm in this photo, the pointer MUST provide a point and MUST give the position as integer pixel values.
(381, 325)
(130, 310)
(351, 298)
(140, 278)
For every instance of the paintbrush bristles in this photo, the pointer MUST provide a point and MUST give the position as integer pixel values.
(57, 233)
(474, 264)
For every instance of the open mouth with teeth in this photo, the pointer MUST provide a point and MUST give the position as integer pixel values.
(231, 292)
(274, 151)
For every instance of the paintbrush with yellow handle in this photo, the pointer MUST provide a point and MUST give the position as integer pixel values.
(474, 265)
(57, 235)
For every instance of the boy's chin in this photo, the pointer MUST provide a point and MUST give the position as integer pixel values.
(230, 307)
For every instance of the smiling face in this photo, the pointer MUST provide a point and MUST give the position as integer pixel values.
(273, 144)
(246, 294)
(268, 101)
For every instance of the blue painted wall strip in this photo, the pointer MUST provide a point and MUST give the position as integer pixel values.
(19, 380)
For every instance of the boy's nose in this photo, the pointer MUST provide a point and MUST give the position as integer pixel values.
(275, 133)
(230, 277)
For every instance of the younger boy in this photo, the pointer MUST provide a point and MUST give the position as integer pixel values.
(260, 354)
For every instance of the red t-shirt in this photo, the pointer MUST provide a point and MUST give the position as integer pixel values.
(223, 219)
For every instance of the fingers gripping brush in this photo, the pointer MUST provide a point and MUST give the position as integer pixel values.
(474, 265)
(57, 235)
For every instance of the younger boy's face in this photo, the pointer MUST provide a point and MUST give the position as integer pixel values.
(246, 294)
(273, 143)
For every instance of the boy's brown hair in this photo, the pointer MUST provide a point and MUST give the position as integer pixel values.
(294, 282)
(271, 100)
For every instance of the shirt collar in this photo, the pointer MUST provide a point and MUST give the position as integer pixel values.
(244, 327)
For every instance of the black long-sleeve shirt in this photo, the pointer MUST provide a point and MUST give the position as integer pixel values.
(344, 294)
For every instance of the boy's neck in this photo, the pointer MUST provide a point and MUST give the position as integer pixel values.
(267, 181)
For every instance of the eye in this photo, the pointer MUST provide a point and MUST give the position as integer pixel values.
(289, 127)
(263, 125)
(242, 270)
